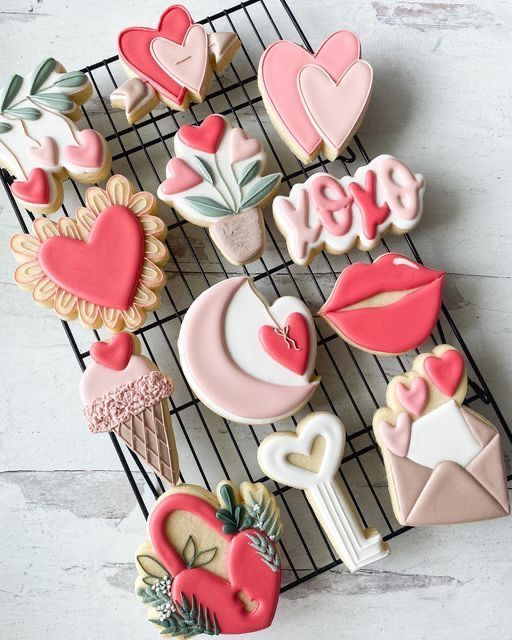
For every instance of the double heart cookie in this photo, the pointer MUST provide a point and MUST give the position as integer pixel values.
(103, 266)
(248, 361)
(173, 63)
(40, 143)
(211, 564)
(316, 101)
(443, 460)
(309, 459)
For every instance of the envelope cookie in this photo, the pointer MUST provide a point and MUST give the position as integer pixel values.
(211, 564)
(40, 142)
(102, 266)
(248, 361)
(173, 63)
(217, 180)
(316, 101)
(443, 460)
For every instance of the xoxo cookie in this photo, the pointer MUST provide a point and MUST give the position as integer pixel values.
(443, 460)
(173, 63)
(316, 101)
(124, 392)
(211, 564)
(387, 307)
(216, 180)
(40, 143)
(309, 459)
(335, 214)
(248, 361)
(104, 265)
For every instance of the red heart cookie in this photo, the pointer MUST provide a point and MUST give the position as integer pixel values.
(114, 354)
(290, 345)
(35, 190)
(205, 137)
(446, 371)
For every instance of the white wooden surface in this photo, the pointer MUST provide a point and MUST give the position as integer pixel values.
(68, 520)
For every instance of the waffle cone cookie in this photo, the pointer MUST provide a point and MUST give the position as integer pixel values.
(124, 392)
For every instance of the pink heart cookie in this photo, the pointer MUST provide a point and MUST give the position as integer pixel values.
(182, 177)
(88, 153)
(46, 153)
(397, 438)
(415, 398)
(241, 147)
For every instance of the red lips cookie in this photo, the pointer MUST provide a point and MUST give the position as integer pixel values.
(387, 307)
(211, 565)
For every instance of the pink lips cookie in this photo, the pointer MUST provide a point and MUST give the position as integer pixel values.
(387, 307)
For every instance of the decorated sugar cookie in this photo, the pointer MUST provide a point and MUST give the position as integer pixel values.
(248, 361)
(443, 460)
(387, 307)
(211, 564)
(316, 101)
(217, 181)
(103, 266)
(124, 392)
(173, 63)
(40, 143)
(309, 459)
(335, 214)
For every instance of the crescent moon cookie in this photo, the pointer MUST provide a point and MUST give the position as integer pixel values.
(40, 143)
(337, 214)
(316, 101)
(216, 180)
(443, 460)
(211, 564)
(248, 361)
(175, 62)
(103, 266)
(387, 307)
(124, 392)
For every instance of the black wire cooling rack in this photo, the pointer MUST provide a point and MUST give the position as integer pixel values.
(353, 382)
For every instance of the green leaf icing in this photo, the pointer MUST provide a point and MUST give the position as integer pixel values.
(73, 79)
(234, 516)
(204, 169)
(249, 172)
(42, 74)
(266, 549)
(208, 206)
(189, 551)
(57, 101)
(25, 113)
(228, 497)
(151, 566)
(10, 91)
(204, 557)
(5, 127)
(265, 514)
(260, 190)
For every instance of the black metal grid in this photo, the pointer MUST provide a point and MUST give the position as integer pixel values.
(353, 383)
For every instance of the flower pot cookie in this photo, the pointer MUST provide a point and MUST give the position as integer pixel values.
(337, 214)
(443, 460)
(248, 361)
(40, 142)
(102, 266)
(125, 393)
(217, 181)
(211, 564)
(173, 63)
(316, 101)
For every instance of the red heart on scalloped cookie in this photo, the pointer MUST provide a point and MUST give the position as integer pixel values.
(114, 354)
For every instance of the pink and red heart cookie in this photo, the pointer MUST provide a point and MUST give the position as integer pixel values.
(104, 265)
(173, 63)
(211, 564)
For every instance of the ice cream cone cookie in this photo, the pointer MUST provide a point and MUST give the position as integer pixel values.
(336, 214)
(248, 361)
(211, 564)
(316, 101)
(217, 181)
(124, 392)
(387, 307)
(443, 460)
(103, 266)
(40, 142)
(173, 63)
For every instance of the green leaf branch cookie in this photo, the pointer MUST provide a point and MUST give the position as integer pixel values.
(217, 181)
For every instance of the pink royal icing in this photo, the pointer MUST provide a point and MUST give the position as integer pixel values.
(288, 345)
(414, 399)
(89, 153)
(46, 154)
(181, 177)
(242, 147)
(397, 438)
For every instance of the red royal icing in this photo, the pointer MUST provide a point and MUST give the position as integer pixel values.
(89, 153)
(103, 270)
(205, 137)
(114, 354)
(366, 199)
(181, 177)
(134, 48)
(446, 371)
(246, 571)
(290, 345)
(35, 190)
(327, 205)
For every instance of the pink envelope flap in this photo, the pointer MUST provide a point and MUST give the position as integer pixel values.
(480, 428)
(489, 469)
(409, 479)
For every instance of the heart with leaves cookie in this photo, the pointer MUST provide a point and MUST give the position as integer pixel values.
(211, 564)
